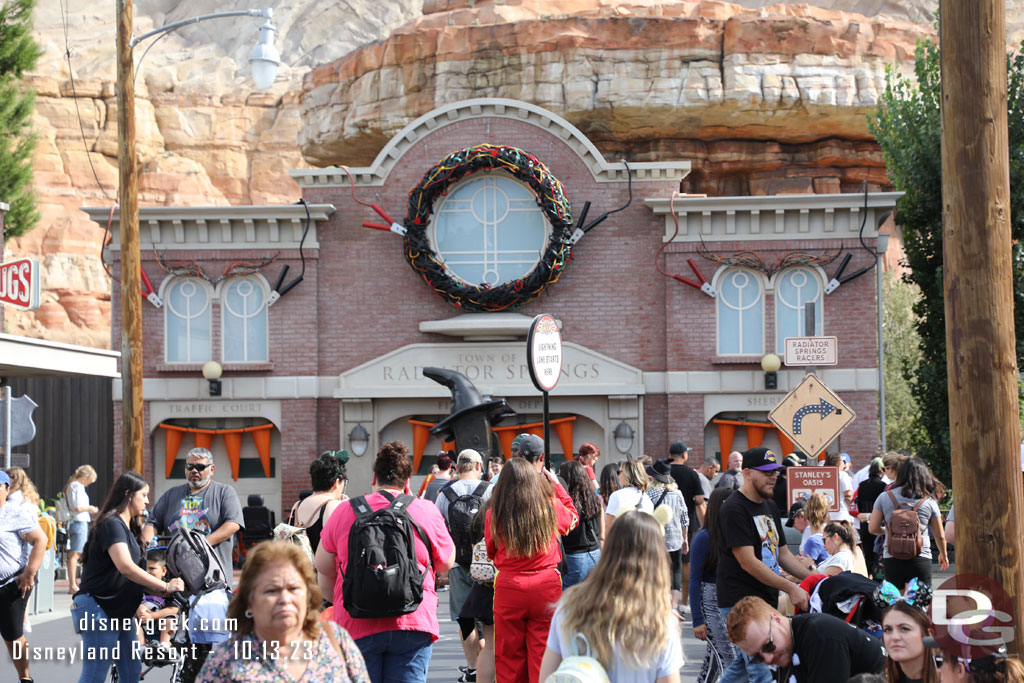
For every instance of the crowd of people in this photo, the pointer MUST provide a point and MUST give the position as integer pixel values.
(548, 575)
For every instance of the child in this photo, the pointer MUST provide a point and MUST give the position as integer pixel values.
(153, 612)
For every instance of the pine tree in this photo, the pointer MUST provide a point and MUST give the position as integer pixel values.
(18, 54)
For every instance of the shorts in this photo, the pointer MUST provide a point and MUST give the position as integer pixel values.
(675, 563)
(78, 532)
(479, 604)
(12, 611)
(460, 585)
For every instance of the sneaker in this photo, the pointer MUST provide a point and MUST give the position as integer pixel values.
(468, 676)
(685, 610)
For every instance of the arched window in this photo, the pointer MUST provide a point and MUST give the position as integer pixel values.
(794, 289)
(187, 321)
(740, 304)
(244, 320)
(489, 230)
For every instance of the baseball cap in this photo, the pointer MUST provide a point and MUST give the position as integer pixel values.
(796, 508)
(677, 448)
(791, 461)
(4, 479)
(470, 455)
(515, 443)
(845, 457)
(531, 447)
(760, 458)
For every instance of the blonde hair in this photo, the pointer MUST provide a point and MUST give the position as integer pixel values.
(21, 482)
(257, 561)
(83, 471)
(635, 473)
(817, 510)
(624, 606)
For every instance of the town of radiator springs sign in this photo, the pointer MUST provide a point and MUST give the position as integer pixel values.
(19, 284)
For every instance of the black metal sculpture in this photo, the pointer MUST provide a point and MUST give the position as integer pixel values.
(470, 421)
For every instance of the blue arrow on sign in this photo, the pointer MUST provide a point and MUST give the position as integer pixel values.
(824, 408)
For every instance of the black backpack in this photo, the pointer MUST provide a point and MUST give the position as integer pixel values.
(461, 511)
(383, 577)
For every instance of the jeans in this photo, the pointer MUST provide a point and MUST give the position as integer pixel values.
(99, 652)
(397, 656)
(580, 565)
(742, 669)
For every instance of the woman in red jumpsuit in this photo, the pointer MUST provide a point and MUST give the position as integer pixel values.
(528, 511)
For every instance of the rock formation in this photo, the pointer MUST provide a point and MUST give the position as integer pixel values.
(762, 97)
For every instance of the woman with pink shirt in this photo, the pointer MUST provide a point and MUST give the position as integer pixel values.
(396, 649)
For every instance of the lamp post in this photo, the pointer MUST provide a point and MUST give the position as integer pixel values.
(265, 60)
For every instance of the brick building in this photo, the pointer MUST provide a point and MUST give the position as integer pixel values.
(339, 355)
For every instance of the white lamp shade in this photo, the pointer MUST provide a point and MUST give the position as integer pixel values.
(265, 58)
(212, 370)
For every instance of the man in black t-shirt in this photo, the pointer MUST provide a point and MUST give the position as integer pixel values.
(808, 647)
(752, 552)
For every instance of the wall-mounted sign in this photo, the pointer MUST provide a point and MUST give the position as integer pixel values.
(544, 352)
(19, 284)
(811, 351)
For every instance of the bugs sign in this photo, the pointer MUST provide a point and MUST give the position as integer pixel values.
(19, 284)
(544, 352)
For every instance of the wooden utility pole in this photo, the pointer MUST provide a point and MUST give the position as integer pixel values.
(980, 341)
(131, 285)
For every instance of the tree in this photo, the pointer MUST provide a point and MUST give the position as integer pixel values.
(902, 356)
(907, 125)
(18, 54)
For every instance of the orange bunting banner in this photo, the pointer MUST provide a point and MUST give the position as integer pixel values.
(232, 441)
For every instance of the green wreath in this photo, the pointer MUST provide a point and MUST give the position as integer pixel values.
(550, 197)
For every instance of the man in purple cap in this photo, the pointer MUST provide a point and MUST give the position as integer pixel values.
(752, 553)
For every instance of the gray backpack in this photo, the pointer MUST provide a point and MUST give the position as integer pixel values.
(191, 559)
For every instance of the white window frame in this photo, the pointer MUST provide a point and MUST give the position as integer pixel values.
(164, 293)
(263, 285)
(489, 258)
(717, 282)
(818, 275)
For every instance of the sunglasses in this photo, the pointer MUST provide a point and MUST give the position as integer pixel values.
(766, 649)
(195, 467)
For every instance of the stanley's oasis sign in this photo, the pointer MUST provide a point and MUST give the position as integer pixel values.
(19, 284)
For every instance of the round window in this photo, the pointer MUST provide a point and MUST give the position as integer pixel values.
(489, 230)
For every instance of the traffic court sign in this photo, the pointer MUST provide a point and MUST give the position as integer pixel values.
(802, 482)
(811, 351)
(811, 415)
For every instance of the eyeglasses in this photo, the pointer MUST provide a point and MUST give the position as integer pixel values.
(766, 649)
(196, 467)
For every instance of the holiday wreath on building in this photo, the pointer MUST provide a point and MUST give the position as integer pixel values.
(550, 196)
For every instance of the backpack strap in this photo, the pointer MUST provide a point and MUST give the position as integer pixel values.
(319, 512)
(664, 493)
(895, 503)
(918, 503)
(399, 503)
(449, 493)
(361, 507)
(480, 489)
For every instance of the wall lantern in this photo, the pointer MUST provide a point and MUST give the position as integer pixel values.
(623, 437)
(771, 363)
(212, 372)
(359, 440)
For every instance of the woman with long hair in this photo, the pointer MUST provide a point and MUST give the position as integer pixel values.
(630, 495)
(81, 512)
(528, 511)
(904, 628)
(582, 545)
(609, 481)
(623, 609)
(708, 624)
(844, 554)
(914, 489)
(113, 580)
(812, 544)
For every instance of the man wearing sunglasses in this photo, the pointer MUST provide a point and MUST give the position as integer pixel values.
(808, 647)
(752, 552)
(203, 504)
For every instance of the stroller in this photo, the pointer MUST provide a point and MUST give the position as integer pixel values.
(848, 596)
(202, 609)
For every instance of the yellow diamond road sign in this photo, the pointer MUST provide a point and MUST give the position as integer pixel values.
(811, 415)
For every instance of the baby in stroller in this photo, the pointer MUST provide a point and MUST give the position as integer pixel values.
(157, 619)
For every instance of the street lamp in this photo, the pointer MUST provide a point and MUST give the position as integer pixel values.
(264, 60)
